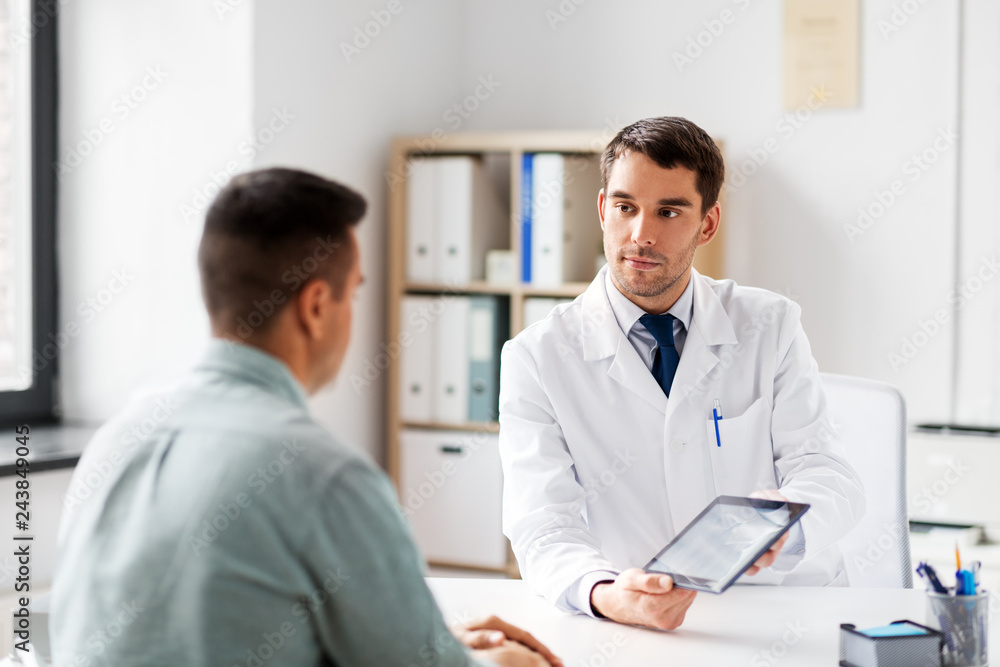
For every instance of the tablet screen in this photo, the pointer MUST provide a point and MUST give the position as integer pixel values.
(724, 540)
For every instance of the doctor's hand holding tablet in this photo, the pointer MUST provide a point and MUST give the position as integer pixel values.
(731, 537)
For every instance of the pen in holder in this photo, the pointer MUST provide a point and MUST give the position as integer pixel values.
(964, 620)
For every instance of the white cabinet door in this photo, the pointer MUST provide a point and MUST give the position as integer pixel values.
(450, 489)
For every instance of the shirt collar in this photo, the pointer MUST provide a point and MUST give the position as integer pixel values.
(252, 364)
(628, 313)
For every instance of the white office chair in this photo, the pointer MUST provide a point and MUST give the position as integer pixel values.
(871, 419)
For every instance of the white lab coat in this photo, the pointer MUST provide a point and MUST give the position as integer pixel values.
(601, 470)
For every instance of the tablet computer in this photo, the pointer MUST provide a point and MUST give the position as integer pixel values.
(723, 541)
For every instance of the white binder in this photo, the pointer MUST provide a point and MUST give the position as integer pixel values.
(547, 219)
(451, 360)
(565, 226)
(421, 211)
(416, 337)
(450, 489)
(537, 308)
(470, 220)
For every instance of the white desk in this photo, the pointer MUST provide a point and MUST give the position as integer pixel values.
(747, 625)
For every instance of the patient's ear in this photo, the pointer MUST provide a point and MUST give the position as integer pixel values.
(312, 305)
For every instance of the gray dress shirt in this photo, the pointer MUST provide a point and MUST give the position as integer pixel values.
(220, 525)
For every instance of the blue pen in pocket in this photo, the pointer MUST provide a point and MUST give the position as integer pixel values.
(716, 416)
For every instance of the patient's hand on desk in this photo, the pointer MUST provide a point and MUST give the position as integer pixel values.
(637, 597)
(513, 654)
(505, 644)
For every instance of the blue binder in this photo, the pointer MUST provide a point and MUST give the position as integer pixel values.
(488, 330)
(526, 196)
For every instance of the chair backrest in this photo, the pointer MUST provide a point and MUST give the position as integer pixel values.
(871, 419)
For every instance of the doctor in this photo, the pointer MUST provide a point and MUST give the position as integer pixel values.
(607, 435)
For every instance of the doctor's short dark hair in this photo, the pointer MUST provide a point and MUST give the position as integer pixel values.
(670, 141)
(268, 233)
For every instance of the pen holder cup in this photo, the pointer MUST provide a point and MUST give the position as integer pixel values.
(964, 620)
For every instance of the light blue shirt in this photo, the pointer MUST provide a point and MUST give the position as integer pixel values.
(627, 314)
(220, 525)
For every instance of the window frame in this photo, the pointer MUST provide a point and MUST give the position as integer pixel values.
(38, 403)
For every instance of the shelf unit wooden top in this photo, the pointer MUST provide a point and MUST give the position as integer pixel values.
(562, 141)
(480, 287)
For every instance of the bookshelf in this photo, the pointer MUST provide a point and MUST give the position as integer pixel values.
(506, 149)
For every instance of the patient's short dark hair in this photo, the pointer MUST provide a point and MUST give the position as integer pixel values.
(268, 233)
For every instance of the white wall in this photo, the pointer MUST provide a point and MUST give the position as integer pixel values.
(615, 60)
(120, 208)
(345, 115)
(608, 64)
(136, 202)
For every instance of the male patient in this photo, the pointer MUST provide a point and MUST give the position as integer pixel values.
(607, 432)
(238, 531)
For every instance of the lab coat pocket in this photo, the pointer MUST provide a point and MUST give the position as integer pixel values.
(744, 462)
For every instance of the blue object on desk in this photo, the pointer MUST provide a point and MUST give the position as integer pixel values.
(898, 629)
(925, 570)
(965, 583)
(716, 416)
(900, 644)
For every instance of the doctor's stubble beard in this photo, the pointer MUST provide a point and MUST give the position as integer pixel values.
(660, 283)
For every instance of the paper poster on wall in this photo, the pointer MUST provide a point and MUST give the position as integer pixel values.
(821, 53)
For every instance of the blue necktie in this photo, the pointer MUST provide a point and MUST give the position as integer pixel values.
(666, 359)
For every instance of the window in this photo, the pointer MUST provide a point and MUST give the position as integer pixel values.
(27, 209)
